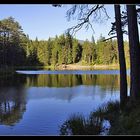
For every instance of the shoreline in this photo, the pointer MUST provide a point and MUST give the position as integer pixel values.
(84, 67)
(66, 67)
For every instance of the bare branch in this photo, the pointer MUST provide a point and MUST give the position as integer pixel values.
(109, 38)
(91, 27)
(85, 17)
(71, 11)
(104, 10)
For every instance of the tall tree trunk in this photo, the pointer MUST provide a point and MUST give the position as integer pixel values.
(134, 51)
(122, 63)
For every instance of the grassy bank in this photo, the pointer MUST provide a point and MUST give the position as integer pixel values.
(69, 67)
(79, 66)
(123, 121)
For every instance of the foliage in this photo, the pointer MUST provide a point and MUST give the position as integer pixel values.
(123, 120)
(93, 125)
(16, 49)
(78, 125)
(11, 43)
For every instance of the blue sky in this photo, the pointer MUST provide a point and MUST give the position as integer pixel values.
(44, 21)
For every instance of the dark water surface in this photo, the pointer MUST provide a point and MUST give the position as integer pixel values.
(38, 102)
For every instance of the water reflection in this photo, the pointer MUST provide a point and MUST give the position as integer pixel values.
(38, 104)
(62, 80)
(68, 87)
(12, 100)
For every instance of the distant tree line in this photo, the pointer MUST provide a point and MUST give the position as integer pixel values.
(16, 49)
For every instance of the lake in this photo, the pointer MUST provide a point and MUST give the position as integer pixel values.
(38, 102)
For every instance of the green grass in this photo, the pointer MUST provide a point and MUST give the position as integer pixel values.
(78, 125)
(93, 124)
(128, 120)
(124, 121)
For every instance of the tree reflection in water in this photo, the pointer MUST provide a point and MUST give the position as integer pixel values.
(12, 100)
(64, 80)
(13, 95)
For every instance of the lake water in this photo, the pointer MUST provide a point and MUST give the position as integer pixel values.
(38, 102)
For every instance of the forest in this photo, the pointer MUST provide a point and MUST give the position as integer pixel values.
(17, 49)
